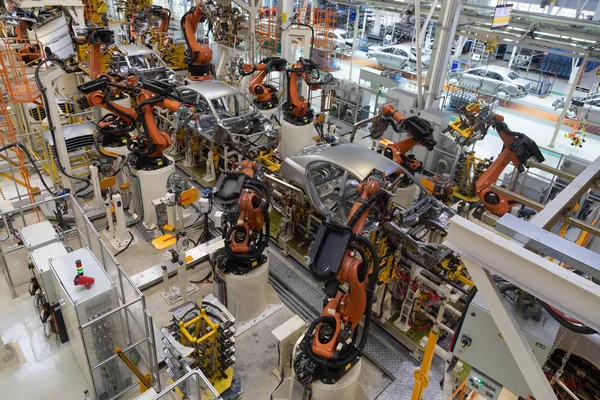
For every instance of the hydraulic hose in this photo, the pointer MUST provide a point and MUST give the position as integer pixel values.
(363, 207)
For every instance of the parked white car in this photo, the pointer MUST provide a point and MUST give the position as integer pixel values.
(398, 56)
(493, 79)
(342, 40)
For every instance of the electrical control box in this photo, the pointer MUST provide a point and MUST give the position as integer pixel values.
(481, 345)
(485, 386)
(81, 306)
(34, 237)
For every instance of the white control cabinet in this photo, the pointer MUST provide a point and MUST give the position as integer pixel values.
(95, 343)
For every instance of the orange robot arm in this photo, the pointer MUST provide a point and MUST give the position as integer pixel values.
(331, 342)
(97, 38)
(246, 225)
(517, 148)
(265, 95)
(156, 141)
(298, 103)
(420, 131)
(164, 14)
(297, 110)
(199, 67)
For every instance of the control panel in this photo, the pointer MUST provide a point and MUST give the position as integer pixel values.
(483, 385)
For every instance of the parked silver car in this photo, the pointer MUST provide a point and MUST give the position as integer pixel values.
(492, 79)
(226, 116)
(397, 56)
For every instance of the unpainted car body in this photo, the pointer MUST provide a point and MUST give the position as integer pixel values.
(144, 63)
(329, 174)
(493, 79)
(227, 117)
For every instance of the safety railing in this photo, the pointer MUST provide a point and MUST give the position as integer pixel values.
(193, 386)
(127, 325)
(18, 60)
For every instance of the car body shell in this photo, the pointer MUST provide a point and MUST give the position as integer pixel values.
(493, 79)
(144, 63)
(329, 174)
(247, 129)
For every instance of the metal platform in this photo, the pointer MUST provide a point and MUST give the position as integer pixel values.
(153, 275)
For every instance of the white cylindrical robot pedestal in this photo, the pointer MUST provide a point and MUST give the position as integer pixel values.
(153, 185)
(295, 138)
(346, 388)
(270, 112)
(248, 295)
(404, 196)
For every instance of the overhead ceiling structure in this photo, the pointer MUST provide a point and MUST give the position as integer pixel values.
(549, 33)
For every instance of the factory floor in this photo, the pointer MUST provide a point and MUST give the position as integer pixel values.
(57, 374)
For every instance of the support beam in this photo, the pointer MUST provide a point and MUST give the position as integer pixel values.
(510, 330)
(549, 244)
(571, 293)
(568, 100)
(555, 210)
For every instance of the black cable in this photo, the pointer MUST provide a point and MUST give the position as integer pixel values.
(28, 154)
(582, 329)
(203, 279)
(126, 246)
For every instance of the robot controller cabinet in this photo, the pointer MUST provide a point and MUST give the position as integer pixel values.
(96, 342)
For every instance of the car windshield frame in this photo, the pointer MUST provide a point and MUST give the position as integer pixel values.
(223, 107)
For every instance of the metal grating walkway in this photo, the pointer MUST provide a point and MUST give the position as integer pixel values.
(305, 297)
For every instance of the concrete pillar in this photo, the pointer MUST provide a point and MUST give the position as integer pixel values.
(377, 26)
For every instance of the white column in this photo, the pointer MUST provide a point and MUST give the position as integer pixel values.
(364, 29)
(512, 56)
(418, 49)
(445, 32)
